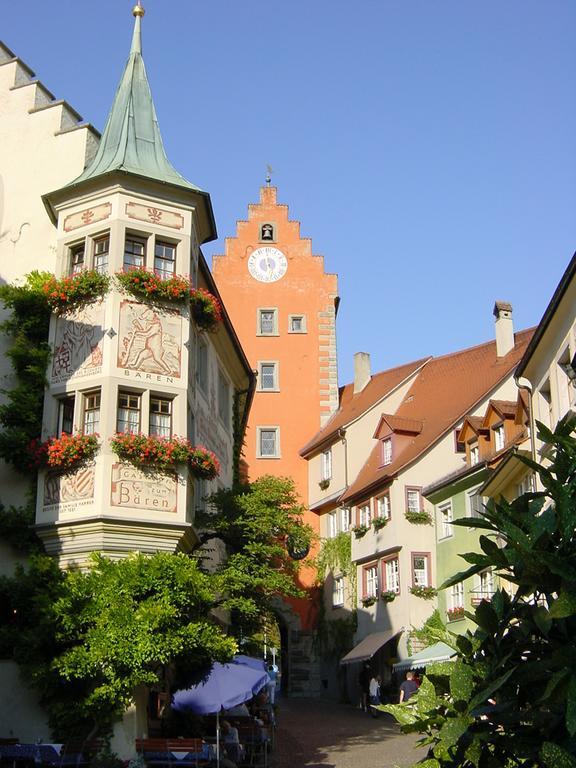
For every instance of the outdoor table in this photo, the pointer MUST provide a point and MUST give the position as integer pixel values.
(44, 754)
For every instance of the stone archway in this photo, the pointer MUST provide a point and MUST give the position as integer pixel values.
(300, 665)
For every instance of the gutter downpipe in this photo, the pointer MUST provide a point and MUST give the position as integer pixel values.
(523, 383)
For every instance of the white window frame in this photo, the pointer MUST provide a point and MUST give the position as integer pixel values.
(371, 580)
(66, 405)
(474, 454)
(326, 464)
(133, 406)
(457, 596)
(384, 506)
(365, 514)
(302, 319)
(91, 415)
(391, 573)
(413, 499)
(260, 312)
(332, 524)
(160, 429)
(275, 376)
(445, 518)
(345, 519)
(100, 258)
(259, 433)
(499, 437)
(424, 579)
(338, 591)
(387, 451)
(471, 509)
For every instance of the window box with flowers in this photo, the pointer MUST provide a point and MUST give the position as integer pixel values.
(323, 484)
(418, 518)
(66, 452)
(388, 596)
(75, 291)
(426, 593)
(148, 286)
(455, 614)
(379, 522)
(205, 309)
(369, 600)
(360, 530)
(164, 453)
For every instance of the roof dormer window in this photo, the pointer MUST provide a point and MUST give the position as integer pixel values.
(499, 438)
(387, 451)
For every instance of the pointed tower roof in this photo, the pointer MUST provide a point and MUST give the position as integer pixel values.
(131, 142)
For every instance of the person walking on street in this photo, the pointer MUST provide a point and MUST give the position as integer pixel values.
(364, 682)
(408, 687)
(374, 692)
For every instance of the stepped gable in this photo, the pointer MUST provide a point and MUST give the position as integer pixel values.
(445, 390)
(352, 406)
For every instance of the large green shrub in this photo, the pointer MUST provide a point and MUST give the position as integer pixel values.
(509, 697)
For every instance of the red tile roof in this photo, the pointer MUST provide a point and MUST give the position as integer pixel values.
(354, 405)
(397, 424)
(443, 392)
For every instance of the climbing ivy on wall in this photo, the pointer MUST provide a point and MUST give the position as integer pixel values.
(29, 353)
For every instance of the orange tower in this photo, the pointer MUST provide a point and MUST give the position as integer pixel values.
(283, 307)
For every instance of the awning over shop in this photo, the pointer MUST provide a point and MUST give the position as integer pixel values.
(436, 652)
(367, 647)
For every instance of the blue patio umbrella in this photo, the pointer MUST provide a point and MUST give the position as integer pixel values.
(250, 661)
(223, 687)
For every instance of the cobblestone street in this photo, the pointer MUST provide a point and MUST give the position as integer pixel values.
(313, 732)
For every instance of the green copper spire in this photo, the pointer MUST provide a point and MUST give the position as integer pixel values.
(131, 141)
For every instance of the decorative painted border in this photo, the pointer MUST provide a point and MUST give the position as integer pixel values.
(87, 216)
(154, 215)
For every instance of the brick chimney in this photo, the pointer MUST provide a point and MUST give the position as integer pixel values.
(504, 328)
(362, 373)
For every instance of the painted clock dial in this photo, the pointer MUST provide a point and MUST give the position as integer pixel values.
(267, 264)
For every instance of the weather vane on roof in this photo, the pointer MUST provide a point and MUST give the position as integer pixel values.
(269, 172)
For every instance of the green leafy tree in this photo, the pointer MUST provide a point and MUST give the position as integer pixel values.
(509, 697)
(260, 524)
(29, 353)
(87, 639)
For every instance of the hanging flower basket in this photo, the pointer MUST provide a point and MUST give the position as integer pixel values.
(75, 291)
(205, 309)
(324, 484)
(164, 453)
(146, 285)
(360, 530)
(388, 596)
(368, 601)
(379, 522)
(455, 614)
(65, 452)
(418, 518)
(426, 593)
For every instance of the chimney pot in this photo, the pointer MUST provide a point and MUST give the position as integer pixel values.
(362, 374)
(504, 328)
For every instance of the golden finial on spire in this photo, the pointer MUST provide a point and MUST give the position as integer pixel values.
(138, 10)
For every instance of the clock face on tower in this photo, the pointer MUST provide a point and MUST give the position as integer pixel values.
(267, 264)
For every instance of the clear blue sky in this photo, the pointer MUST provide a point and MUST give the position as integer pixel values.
(428, 148)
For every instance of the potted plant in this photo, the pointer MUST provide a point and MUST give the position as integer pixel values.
(418, 518)
(324, 483)
(379, 522)
(205, 309)
(368, 601)
(163, 453)
(75, 291)
(65, 452)
(148, 286)
(387, 596)
(360, 530)
(426, 593)
(455, 614)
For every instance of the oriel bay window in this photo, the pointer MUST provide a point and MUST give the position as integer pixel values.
(128, 413)
(134, 253)
(91, 413)
(65, 416)
(164, 260)
(160, 416)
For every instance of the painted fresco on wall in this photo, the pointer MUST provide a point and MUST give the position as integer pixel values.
(70, 490)
(136, 488)
(78, 343)
(150, 340)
